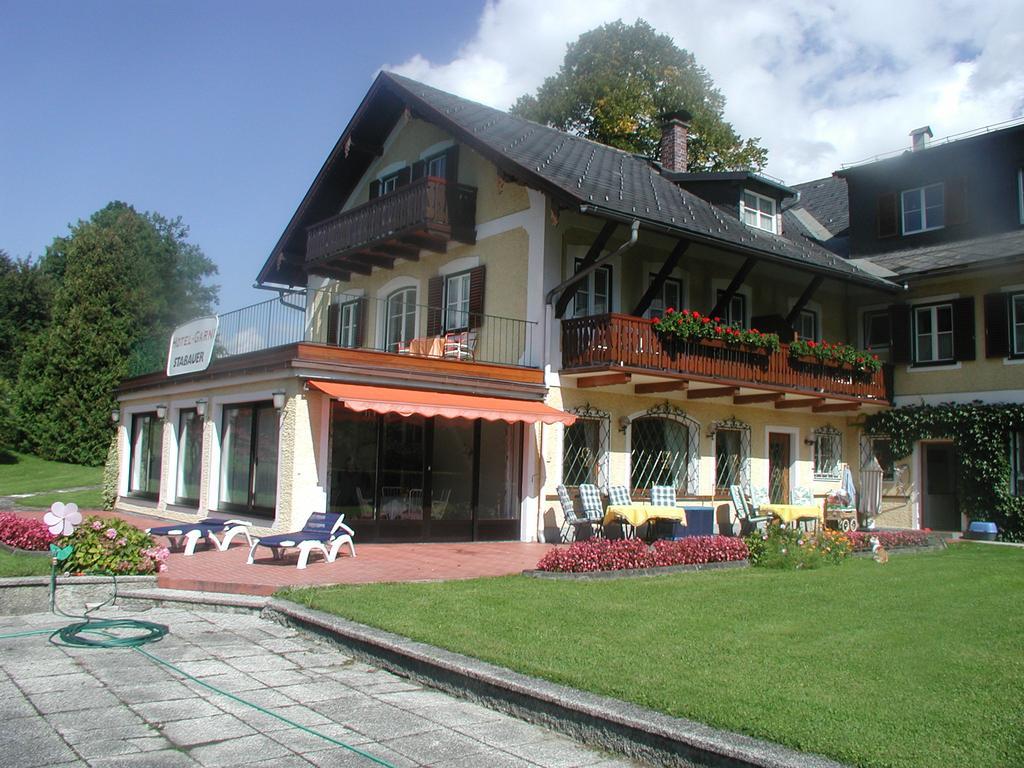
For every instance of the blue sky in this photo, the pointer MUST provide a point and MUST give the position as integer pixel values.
(220, 112)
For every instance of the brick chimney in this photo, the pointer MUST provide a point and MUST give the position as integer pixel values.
(675, 129)
(919, 138)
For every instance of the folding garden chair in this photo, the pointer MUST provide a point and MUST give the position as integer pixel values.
(744, 513)
(570, 520)
(593, 509)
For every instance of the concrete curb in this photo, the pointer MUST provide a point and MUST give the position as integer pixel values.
(615, 725)
(145, 599)
(31, 594)
(663, 570)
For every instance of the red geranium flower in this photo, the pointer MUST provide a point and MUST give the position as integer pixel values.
(655, 319)
(811, 344)
(686, 313)
(707, 319)
(669, 311)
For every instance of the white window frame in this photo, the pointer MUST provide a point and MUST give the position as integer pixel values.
(348, 321)
(405, 317)
(815, 318)
(828, 439)
(388, 184)
(456, 301)
(601, 460)
(934, 333)
(864, 315)
(442, 157)
(588, 288)
(920, 193)
(660, 303)
(727, 311)
(1016, 321)
(769, 222)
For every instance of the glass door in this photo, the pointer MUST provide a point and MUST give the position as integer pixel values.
(402, 451)
(248, 455)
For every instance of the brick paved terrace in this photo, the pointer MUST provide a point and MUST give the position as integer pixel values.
(212, 571)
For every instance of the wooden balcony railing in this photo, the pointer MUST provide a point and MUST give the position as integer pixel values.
(624, 341)
(428, 207)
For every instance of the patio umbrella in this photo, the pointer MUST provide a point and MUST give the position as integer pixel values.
(871, 492)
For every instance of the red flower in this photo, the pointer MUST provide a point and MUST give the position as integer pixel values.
(718, 319)
(655, 319)
(754, 330)
(811, 344)
(686, 313)
(669, 311)
(696, 313)
(707, 319)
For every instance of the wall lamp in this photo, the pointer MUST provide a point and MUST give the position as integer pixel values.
(279, 400)
(623, 424)
(809, 441)
(115, 415)
(161, 412)
(201, 406)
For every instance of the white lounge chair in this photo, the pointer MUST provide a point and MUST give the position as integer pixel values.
(321, 533)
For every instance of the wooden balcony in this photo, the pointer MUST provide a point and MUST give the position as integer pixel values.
(426, 213)
(623, 349)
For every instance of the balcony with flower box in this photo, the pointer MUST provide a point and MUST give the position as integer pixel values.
(630, 353)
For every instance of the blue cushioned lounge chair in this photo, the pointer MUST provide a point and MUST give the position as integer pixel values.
(187, 535)
(323, 531)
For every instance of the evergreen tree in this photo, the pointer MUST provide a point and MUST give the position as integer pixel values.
(617, 81)
(124, 277)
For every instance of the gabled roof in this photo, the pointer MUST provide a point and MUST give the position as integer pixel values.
(825, 199)
(990, 250)
(574, 171)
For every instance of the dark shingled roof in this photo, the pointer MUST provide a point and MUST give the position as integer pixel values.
(963, 254)
(825, 199)
(577, 172)
(619, 183)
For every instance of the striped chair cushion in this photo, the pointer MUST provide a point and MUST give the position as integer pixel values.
(618, 495)
(663, 496)
(758, 496)
(568, 508)
(803, 496)
(590, 498)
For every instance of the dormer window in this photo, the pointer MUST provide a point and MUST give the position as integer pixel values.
(758, 211)
(924, 208)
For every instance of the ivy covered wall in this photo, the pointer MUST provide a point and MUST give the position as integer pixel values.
(981, 434)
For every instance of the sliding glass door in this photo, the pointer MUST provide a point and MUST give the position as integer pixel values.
(248, 459)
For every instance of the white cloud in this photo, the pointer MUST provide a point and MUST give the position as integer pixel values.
(822, 84)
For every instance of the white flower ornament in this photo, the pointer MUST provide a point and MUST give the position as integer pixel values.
(62, 518)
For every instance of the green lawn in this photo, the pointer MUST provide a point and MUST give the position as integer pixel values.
(29, 474)
(916, 663)
(17, 564)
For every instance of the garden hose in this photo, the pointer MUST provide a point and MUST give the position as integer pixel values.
(100, 633)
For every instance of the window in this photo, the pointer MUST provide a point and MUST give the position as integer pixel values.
(146, 454)
(876, 329)
(389, 184)
(933, 334)
(924, 208)
(1020, 193)
(190, 456)
(594, 294)
(879, 447)
(728, 458)
(400, 318)
(735, 312)
(585, 448)
(807, 324)
(348, 322)
(664, 450)
(1017, 323)
(248, 458)
(758, 211)
(437, 165)
(456, 302)
(1017, 463)
(828, 452)
(670, 295)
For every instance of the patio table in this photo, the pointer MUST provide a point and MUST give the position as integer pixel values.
(427, 346)
(638, 514)
(791, 513)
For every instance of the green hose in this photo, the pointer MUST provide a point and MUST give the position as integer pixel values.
(80, 635)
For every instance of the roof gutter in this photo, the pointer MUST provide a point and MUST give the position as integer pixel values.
(558, 290)
(878, 283)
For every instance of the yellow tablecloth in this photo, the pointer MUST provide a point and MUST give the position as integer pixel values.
(790, 513)
(638, 514)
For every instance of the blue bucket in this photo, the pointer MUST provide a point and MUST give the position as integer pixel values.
(980, 530)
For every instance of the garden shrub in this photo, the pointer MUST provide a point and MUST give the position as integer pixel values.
(624, 554)
(109, 545)
(24, 533)
(861, 540)
(790, 548)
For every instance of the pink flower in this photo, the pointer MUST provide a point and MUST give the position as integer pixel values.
(96, 525)
(110, 533)
(122, 541)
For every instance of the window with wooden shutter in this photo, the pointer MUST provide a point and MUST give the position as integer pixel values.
(964, 346)
(899, 323)
(374, 189)
(333, 323)
(888, 215)
(997, 325)
(956, 201)
(358, 337)
(451, 165)
(419, 169)
(435, 304)
(476, 297)
(404, 176)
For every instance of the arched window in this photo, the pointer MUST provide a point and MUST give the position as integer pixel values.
(732, 454)
(585, 448)
(664, 449)
(400, 318)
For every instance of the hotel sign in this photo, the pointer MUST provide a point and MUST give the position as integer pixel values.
(192, 346)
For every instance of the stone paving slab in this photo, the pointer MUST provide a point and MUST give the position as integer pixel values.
(108, 708)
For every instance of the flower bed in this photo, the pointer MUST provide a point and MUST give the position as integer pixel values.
(790, 548)
(836, 354)
(24, 533)
(109, 545)
(861, 540)
(687, 325)
(628, 554)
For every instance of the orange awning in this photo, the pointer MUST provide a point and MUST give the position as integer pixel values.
(359, 397)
